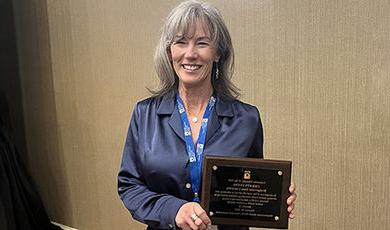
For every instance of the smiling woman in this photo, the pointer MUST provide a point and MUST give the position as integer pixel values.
(160, 175)
(204, 21)
(193, 56)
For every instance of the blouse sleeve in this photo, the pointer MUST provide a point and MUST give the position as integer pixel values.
(154, 209)
(256, 149)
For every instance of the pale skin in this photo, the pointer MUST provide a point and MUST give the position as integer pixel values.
(192, 58)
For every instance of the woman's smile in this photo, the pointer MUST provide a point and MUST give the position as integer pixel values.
(191, 67)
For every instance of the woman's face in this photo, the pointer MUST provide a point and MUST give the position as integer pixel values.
(193, 56)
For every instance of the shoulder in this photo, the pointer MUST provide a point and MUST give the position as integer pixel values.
(160, 105)
(240, 105)
(148, 103)
(250, 112)
(240, 108)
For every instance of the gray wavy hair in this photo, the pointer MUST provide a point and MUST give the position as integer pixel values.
(180, 20)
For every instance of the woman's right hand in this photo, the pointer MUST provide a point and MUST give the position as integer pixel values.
(191, 216)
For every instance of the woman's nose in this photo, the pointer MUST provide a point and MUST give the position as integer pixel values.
(191, 51)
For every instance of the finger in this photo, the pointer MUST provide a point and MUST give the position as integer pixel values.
(185, 227)
(291, 199)
(290, 208)
(205, 219)
(198, 222)
(291, 216)
(292, 187)
(202, 215)
(191, 223)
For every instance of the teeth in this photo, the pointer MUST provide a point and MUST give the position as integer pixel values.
(191, 67)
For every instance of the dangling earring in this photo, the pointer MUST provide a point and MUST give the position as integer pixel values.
(217, 73)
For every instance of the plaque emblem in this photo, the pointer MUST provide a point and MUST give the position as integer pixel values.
(247, 175)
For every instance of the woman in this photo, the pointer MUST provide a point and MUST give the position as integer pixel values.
(194, 112)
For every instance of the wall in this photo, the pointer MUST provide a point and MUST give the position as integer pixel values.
(317, 70)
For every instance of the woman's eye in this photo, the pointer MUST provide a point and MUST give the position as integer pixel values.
(203, 43)
(180, 42)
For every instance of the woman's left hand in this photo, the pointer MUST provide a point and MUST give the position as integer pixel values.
(290, 201)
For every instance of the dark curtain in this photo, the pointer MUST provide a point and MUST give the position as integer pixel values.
(21, 207)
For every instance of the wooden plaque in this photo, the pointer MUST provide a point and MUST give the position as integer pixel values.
(246, 191)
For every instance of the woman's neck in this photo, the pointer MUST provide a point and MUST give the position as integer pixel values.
(195, 99)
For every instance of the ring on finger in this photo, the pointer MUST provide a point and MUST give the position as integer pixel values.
(194, 217)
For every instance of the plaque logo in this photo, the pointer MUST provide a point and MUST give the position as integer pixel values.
(247, 175)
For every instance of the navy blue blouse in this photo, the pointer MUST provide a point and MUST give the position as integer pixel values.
(154, 180)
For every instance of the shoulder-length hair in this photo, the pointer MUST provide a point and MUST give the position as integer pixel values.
(180, 20)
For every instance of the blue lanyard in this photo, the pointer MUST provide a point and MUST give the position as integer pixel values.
(195, 156)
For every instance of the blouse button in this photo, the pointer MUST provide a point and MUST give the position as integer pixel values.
(188, 185)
